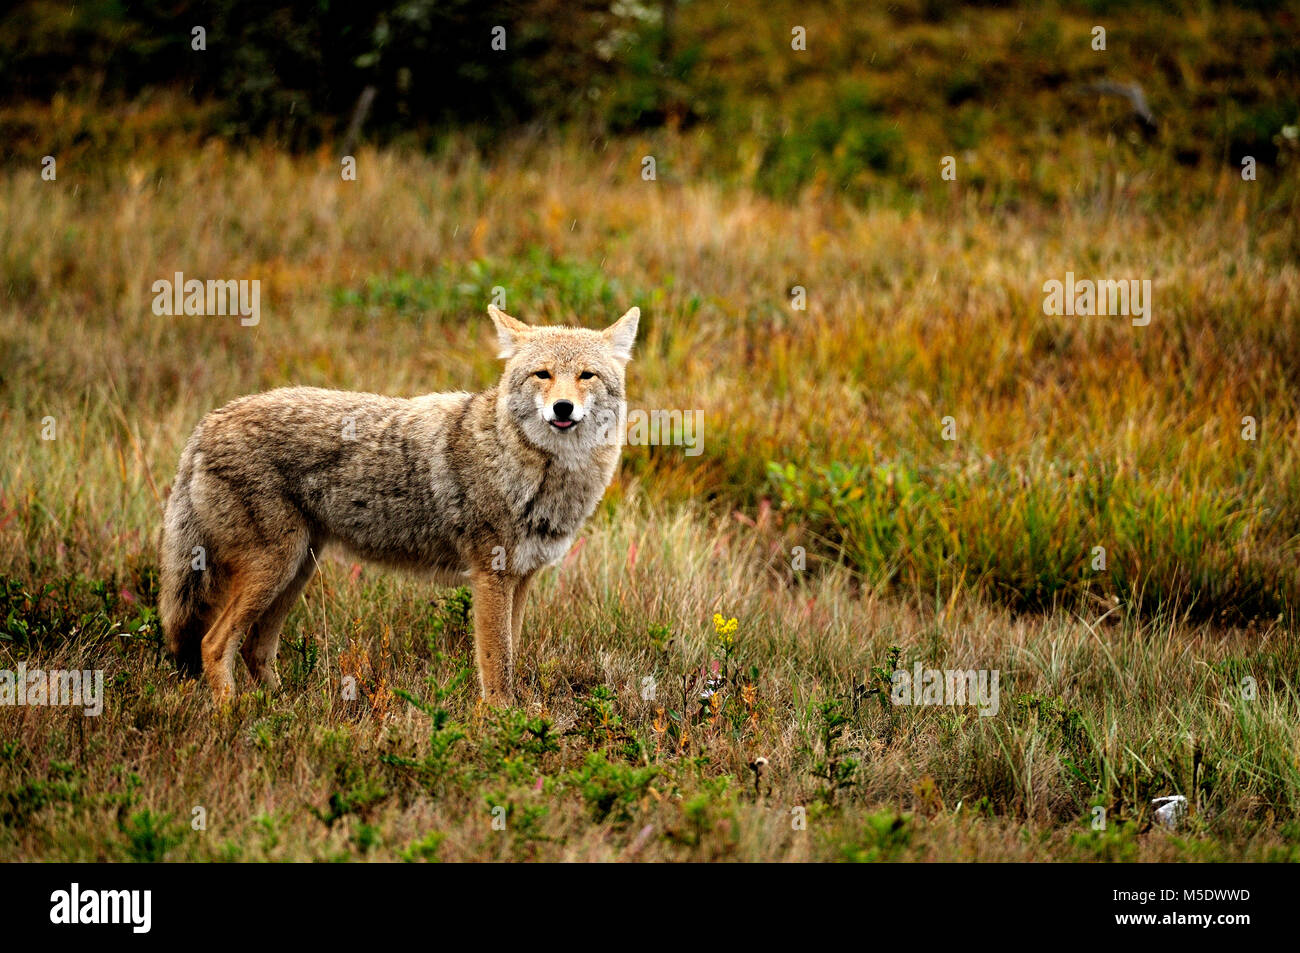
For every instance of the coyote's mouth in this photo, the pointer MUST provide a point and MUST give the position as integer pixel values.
(562, 424)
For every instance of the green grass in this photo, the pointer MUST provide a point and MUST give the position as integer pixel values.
(1108, 714)
(827, 513)
(1056, 533)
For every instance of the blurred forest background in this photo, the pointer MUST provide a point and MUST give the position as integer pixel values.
(880, 89)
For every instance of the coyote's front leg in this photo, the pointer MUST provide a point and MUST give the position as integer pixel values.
(493, 604)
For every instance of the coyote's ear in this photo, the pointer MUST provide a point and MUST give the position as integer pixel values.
(509, 331)
(622, 333)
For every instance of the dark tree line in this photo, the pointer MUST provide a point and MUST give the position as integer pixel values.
(299, 69)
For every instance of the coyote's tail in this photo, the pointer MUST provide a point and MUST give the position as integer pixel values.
(184, 575)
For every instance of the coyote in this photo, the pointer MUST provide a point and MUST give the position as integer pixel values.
(486, 488)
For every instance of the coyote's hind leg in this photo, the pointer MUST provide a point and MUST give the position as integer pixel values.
(263, 642)
(256, 580)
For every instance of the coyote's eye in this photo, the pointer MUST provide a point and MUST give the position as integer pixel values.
(586, 376)
(542, 375)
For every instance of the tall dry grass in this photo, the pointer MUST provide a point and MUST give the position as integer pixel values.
(1121, 690)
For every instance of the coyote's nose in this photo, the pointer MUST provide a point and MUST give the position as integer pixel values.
(563, 409)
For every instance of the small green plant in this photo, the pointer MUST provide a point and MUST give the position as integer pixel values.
(149, 836)
(1055, 717)
(660, 635)
(830, 762)
(435, 768)
(1116, 844)
(515, 747)
(521, 818)
(453, 619)
(885, 836)
(366, 837)
(33, 616)
(302, 655)
(879, 684)
(425, 849)
(611, 789)
(601, 725)
(356, 793)
(704, 812)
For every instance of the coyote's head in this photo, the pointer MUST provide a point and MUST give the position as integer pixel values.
(564, 386)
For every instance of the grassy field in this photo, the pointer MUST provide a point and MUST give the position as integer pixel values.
(828, 513)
